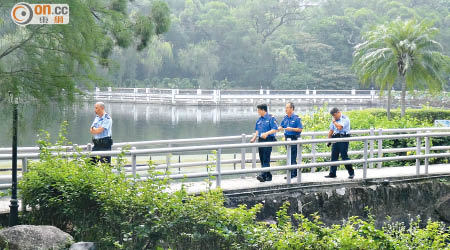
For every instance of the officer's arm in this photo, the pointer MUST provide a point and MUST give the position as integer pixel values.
(338, 125)
(273, 131)
(298, 127)
(299, 130)
(96, 131)
(330, 133)
(254, 136)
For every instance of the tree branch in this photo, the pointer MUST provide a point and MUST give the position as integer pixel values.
(11, 49)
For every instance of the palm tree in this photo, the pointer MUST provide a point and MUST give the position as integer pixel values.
(403, 51)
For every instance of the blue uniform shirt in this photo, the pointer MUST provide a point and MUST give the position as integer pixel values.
(293, 122)
(105, 122)
(344, 121)
(265, 124)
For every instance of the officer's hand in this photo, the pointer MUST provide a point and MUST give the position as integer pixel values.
(253, 140)
(288, 129)
(280, 128)
(264, 136)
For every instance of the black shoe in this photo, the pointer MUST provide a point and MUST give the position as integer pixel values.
(268, 178)
(330, 176)
(260, 178)
(351, 176)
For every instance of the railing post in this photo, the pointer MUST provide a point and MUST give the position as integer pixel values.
(427, 151)
(234, 164)
(299, 162)
(380, 148)
(365, 160)
(218, 169)
(418, 149)
(117, 160)
(109, 93)
(173, 96)
(253, 157)
(133, 163)
(219, 95)
(372, 95)
(313, 151)
(372, 146)
(24, 170)
(288, 161)
(24, 165)
(89, 147)
(243, 155)
(168, 156)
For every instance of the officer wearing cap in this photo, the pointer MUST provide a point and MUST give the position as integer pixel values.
(265, 129)
(292, 125)
(101, 129)
(339, 128)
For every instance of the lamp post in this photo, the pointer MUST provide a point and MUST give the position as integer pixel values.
(14, 206)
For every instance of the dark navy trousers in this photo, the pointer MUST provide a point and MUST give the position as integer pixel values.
(264, 155)
(340, 148)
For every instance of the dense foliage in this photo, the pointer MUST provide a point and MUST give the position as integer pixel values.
(274, 44)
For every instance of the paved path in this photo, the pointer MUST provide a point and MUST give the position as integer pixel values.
(317, 177)
(251, 183)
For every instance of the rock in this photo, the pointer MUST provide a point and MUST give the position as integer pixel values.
(27, 237)
(83, 246)
(443, 209)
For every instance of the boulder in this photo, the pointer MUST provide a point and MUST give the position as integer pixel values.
(83, 246)
(28, 237)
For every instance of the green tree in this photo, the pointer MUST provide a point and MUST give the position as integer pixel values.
(57, 62)
(200, 60)
(403, 50)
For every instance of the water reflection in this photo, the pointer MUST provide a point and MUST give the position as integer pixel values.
(133, 122)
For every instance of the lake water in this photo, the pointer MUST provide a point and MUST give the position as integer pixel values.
(137, 122)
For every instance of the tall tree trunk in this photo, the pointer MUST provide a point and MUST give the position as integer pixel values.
(403, 96)
(389, 104)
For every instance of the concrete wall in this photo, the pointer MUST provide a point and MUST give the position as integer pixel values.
(401, 199)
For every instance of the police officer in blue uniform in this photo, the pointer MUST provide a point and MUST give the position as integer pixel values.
(292, 125)
(101, 130)
(265, 129)
(339, 128)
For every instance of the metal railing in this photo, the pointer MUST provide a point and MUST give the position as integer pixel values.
(240, 144)
(217, 96)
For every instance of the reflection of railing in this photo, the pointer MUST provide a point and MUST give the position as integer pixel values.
(217, 96)
(239, 143)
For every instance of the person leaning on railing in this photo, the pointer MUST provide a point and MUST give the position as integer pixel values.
(339, 128)
(101, 129)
